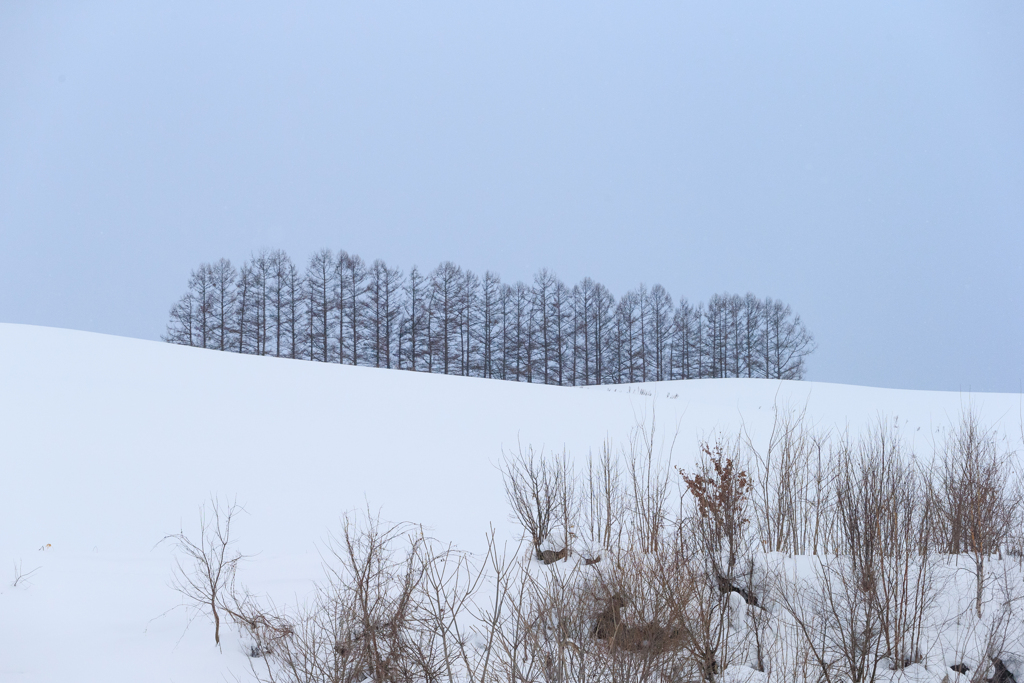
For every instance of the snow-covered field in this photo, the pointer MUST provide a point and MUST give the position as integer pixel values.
(110, 444)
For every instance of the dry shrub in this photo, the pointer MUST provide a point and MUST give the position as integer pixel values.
(791, 486)
(389, 609)
(534, 490)
(206, 564)
(666, 596)
(979, 498)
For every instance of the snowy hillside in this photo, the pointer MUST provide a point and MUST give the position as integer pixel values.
(110, 444)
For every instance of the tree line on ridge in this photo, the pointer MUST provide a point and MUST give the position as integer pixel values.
(340, 309)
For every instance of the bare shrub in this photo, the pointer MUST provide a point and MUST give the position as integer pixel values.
(513, 618)
(711, 540)
(685, 596)
(497, 578)
(837, 619)
(979, 497)
(319, 644)
(904, 517)
(392, 608)
(267, 626)
(1003, 629)
(649, 472)
(449, 584)
(382, 586)
(560, 624)
(568, 503)
(628, 618)
(867, 604)
(640, 611)
(532, 488)
(205, 566)
(792, 479)
(700, 614)
(605, 504)
(21, 576)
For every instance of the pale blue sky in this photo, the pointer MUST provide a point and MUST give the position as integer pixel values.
(862, 161)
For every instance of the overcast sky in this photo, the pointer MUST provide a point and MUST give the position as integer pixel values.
(863, 163)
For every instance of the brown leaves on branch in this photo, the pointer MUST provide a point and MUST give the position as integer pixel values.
(721, 489)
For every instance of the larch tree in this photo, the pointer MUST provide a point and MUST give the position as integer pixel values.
(753, 309)
(583, 310)
(659, 330)
(560, 321)
(320, 283)
(469, 294)
(414, 320)
(278, 301)
(203, 292)
(382, 310)
(353, 276)
(292, 309)
(445, 295)
(180, 325)
(490, 322)
(604, 304)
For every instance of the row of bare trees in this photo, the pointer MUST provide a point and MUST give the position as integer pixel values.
(807, 556)
(340, 309)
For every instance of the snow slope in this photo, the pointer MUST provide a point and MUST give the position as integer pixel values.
(108, 444)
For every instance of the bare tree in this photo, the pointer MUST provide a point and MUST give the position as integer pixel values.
(446, 290)
(785, 341)
(749, 339)
(291, 312)
(223, 277)
(544, 283)
(244, 307)
(352, 289)
(260, 271)
(280, 269)
(202, 299)
(382, 312)
(520, 330)
(559, 319)
(490, 321)
(659, 326)
(601, 330)
(684, 351)
(414, 321)
(468, 324)
(629, 340)
(181, 328)
(321, 282)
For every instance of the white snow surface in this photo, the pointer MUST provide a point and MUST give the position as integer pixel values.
(109, 444)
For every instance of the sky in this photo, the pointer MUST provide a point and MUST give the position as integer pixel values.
(863, 162)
